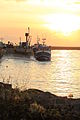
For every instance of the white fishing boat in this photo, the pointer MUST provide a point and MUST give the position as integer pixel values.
(42, 52)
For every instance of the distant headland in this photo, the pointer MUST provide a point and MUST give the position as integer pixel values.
(64, 48)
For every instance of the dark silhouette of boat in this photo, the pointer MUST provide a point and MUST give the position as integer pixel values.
(1, 52)
(42, 52)
(24, 47)
(1, 49)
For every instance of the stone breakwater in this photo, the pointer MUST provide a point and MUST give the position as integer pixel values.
(33, 104)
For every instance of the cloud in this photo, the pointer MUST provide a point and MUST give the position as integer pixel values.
(77, 2)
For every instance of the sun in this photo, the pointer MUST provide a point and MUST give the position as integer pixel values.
(64, 23)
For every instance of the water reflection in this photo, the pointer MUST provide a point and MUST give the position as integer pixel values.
(60, 76)
(65, 75)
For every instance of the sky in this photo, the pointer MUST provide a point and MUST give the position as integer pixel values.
(56, 20)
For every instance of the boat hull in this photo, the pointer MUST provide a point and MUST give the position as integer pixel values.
(24, 51)
(43, 55)
(1, 52)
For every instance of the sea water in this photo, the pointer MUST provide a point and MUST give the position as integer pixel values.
(60, 76)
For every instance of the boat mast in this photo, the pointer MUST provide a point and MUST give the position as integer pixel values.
(20, 41)
(38, 39)
(27, 35)
(44, 39)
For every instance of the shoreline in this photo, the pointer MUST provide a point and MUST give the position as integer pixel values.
(64, 48)
(34, 104)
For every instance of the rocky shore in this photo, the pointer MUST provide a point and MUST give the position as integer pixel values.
(33, 104)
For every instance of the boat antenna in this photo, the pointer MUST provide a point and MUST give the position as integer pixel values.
(44, 39)
(28, 30)
(38, 39)
(20, 39)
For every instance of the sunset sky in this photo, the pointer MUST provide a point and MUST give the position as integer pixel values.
(57, 20)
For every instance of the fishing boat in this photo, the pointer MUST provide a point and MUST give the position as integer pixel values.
(1, 49)
(42, 52)
(1, 52)
(24, 47)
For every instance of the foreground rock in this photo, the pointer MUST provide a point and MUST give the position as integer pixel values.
(34, 104)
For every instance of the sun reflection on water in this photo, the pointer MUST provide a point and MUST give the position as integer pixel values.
(64, 74)
(60, 76)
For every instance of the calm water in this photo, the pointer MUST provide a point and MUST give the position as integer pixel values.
(61, 76)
